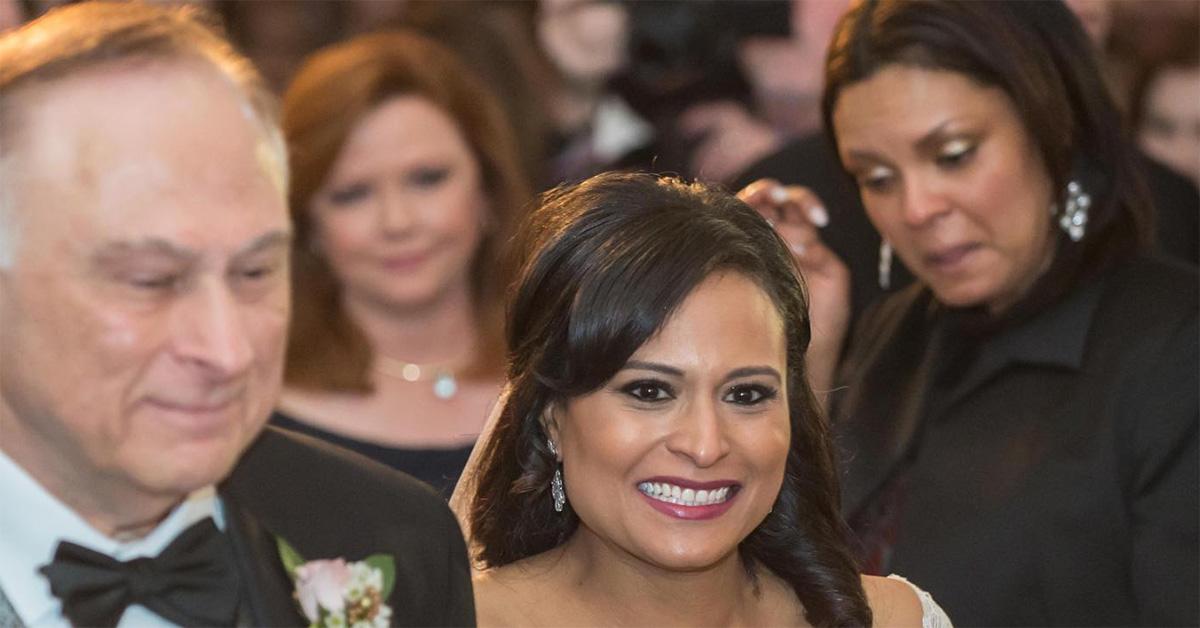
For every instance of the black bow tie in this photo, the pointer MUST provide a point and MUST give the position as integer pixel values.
(192, 582)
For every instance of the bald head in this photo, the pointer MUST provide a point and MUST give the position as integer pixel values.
(100, 37)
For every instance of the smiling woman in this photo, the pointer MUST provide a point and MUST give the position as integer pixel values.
(696, 421)
(659, 458)
(407, 180)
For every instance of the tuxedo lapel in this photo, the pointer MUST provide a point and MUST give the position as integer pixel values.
(266, 586)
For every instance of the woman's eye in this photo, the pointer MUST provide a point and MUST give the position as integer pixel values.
(876, 179)
(956, 153)
(647, 390)
(349, 194)
(428, 177)
(749, 395)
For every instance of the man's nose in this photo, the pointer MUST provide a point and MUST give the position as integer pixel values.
(210, 330)
(699, 435)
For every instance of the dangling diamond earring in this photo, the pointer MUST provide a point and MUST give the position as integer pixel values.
(885, 265)
(557, 493)
(1074, 216)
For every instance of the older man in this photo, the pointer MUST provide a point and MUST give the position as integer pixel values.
(143, 308)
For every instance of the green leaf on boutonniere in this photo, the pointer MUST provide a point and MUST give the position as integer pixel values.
(387, 566)
(290, 557)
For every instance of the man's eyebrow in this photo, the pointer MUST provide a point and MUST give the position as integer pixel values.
(111, 251)
(273, 239)
(159, 246)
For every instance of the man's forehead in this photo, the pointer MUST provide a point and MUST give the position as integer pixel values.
(147, 150)
(106, 120)
(139, 100)
(119, 81)
(127, 90)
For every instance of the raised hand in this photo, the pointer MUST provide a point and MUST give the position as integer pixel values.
(798, 216)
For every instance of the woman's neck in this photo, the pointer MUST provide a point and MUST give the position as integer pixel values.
(616, 587)
(1049, 249)
(444, 332)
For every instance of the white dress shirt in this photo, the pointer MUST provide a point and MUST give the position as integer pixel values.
(32, 522)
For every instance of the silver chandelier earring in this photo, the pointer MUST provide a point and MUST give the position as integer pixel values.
(885, 264)
(1074, 216)
(556, 483)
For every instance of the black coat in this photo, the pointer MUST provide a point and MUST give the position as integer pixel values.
(329, 503)
(1049, 475)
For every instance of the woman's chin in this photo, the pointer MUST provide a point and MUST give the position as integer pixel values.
(692, 559)
(962, 295)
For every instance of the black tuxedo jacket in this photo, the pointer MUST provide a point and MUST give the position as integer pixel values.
(330, 503)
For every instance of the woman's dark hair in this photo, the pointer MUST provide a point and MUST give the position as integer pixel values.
(1038, 54)
(328, 97)
(604, 265)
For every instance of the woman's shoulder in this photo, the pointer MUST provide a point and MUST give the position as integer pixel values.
(897, 602)
(895, 307)
(497, 601)
(1172, 287)
(1147, 307)
(514, 594)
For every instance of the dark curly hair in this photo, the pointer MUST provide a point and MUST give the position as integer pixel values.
(604, 265)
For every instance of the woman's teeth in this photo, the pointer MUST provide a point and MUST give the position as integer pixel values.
(672, 494)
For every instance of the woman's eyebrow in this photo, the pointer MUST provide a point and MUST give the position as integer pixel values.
(748, 371)
(654, 366)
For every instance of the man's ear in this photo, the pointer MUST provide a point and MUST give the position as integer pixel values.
(550, 416)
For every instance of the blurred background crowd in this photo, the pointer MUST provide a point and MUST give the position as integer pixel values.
(706, 88)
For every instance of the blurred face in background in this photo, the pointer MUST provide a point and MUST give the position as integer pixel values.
(401, 214)
(949, 175)
(585, 39)
(1096, 17)
(11, 15)
(1170, 128)
(788, 74)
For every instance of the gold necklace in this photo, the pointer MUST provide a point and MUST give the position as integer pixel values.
(445, 386)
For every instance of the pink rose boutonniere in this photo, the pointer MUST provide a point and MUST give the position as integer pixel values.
(334, 593)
